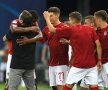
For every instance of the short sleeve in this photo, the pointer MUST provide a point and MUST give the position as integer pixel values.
(64, 32)
(14, 23)
(9, 35)
(44, 39)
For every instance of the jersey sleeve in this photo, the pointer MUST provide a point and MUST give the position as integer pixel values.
(44, 39)
(9, 35)
(64, 32)
(14, 23)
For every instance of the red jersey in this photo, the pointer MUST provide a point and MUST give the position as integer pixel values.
(103, 36)
(82, 40)
(58, 51)
(10, 47)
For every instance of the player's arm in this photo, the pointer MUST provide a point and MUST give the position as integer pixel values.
(4, 38)
(16, 29)
(99, 53)
(98, 49)
(7, 37)
(65, 31)
(44, 51)
(47, 19)
(24, 40)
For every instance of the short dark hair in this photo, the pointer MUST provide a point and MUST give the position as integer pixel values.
(27, 18)
(90, 17)
(76, 15)
(34, 15)
(55, 10)
(102, 14)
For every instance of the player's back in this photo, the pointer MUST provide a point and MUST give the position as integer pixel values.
(83, 42)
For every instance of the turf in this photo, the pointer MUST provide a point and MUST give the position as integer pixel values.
(40, 87)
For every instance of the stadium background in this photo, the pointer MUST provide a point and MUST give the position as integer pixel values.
(10, 9)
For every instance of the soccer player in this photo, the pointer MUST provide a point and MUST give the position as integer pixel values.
(21, 64)
(101, 23)
(89, 21)
(83, 40)
(58, 63)
(101, 18)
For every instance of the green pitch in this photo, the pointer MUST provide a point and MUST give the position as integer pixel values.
(40, 87)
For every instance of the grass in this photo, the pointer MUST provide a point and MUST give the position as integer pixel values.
(40, 87)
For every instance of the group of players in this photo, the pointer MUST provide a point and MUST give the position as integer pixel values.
(89, 43)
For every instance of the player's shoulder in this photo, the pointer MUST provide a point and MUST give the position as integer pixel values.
(63, 25)
(88, 28)
(45, 29)
(15, 21)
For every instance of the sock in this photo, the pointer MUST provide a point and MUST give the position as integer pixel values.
(94, 88)
(67, 88)
(36, 87)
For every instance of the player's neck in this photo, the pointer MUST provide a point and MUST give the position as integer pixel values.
(103, 25)
(56, 23)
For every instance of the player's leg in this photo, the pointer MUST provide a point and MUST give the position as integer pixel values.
(7, 71)
(61, 73)
(35, 80)
(52, 78)
(101, 81)
(92, 78)
(28, 77)
(74, 76)
(83, 85)
(105, 74)
(15, 78)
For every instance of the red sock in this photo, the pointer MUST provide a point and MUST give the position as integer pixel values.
(67, 88)
(94, 88)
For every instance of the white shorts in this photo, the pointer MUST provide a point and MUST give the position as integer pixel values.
(76, 74)
(8, 66)
(57, 75)
(102, 78)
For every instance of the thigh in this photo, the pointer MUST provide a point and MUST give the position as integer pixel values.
(61, 73)
(83, 83)
(51, 76)
(75, 75)
(92, 76)
(15, 78)
(29, 80)
(8, 66)
(105, 74)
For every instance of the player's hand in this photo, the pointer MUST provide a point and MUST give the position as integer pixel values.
(64, 41)
(46, 15)
(99, 65)
(23, 40)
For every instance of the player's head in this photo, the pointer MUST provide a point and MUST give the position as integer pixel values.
(75, 17)
(54, 14)
(34, 15)
(25, 18)
(100, 17)
(89, 21)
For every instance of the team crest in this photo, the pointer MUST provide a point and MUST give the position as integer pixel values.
(105, 33)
